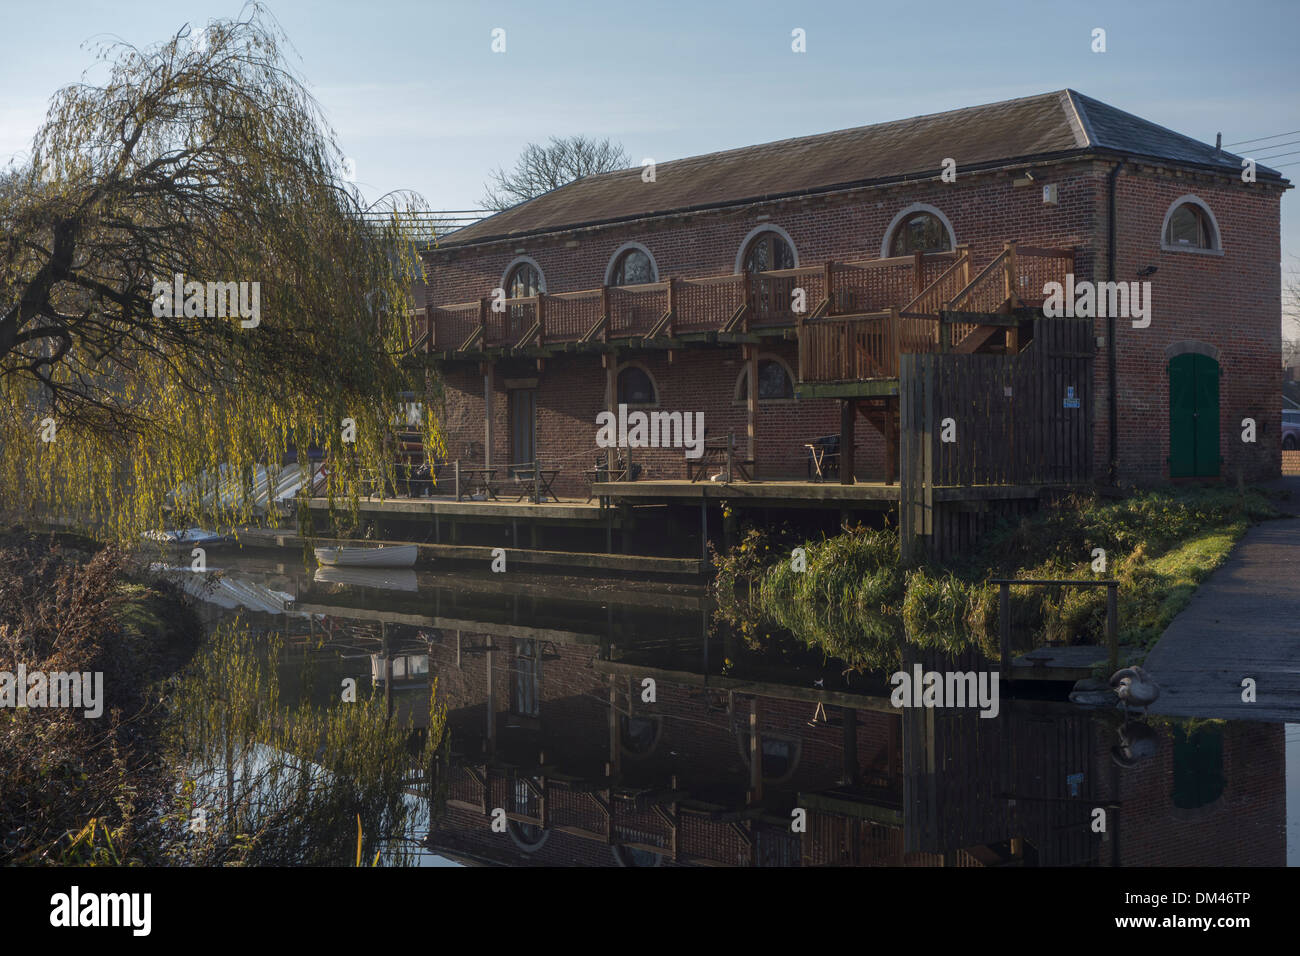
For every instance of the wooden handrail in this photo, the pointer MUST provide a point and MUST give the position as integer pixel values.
(958, 264)
(736, 302)
(997, 261)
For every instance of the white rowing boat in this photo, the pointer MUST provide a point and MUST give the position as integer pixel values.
(388, 579)
(383, 556)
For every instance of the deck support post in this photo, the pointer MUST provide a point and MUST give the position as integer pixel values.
(751, 406)
(704, 530)
(1004, 629)
(848, 417)
(1112, 625)
(610, 361)
(850, 747)
(489, 386)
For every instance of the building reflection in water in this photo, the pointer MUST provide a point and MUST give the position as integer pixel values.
(625, 729)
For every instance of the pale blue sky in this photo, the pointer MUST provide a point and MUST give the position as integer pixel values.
(420, 101)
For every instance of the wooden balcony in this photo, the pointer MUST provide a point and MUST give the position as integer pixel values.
(854, 319)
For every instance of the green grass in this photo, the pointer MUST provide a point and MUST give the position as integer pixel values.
(858, 602)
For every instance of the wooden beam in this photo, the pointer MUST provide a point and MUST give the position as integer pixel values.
(848, 419)
(751, 404)
(870, 388)
(610, 361)
(489, 386)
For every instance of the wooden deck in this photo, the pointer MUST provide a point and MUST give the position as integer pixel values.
(395, 507)
(866, 494)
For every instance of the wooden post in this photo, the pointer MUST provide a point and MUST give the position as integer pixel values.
(895, 338)
(828, 277)
(609, 319)
(541, 319)
(482, 321)
(1009, 269)
(537, 481)
(918, 273)
(615, 735)
(672, 309)
(457, 476)
(848, 417)
(1112, 625)
(749, 278)
(1004, 629)
(489, 386)
(755, 755)
(491, 702)
(731, 449)
(610, 361)
(751, 406)
(893, 413)
(704, 529)
(850, 747)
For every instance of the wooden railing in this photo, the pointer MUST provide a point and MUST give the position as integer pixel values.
(854, 318)
(733, 303)
(850, 348)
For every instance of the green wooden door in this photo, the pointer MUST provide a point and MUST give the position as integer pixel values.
(1193, 416)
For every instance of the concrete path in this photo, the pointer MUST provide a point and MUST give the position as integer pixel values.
(1243, 621)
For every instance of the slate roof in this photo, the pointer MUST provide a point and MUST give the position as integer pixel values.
(1047, 125)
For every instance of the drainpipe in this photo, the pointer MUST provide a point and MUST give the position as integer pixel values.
(1111, 365)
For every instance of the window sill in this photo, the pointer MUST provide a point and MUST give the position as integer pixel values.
(1191, 249)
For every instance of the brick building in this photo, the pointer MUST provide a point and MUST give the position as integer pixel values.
(670, 288)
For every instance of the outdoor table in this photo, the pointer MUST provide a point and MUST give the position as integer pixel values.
(482, 478)
(542, 483)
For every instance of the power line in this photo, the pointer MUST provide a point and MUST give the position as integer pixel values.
(1294, 142)
(1260, 139)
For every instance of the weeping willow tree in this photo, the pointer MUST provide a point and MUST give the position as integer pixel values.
(279, 782)
(190, 288)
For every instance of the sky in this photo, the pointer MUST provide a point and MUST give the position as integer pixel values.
(420, 101)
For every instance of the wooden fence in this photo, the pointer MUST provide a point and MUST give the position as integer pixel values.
(979, 420)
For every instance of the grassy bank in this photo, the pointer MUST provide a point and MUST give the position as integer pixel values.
(856, 600)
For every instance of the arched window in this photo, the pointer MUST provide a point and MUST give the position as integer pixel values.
(635, 387)
(779, 754)
(774, 382)
(1189, 224)
(633, 267)
(523, 281)
(638, 735)
(767, 251)
(529, 837)
(919, 231)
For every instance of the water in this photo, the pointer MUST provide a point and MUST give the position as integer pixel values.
(617, 724)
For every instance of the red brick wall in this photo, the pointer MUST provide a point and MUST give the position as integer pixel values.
(1230, 302)
(571, 392)
(1245, 826)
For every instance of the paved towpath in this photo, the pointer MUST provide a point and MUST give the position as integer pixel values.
(1243, 621)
